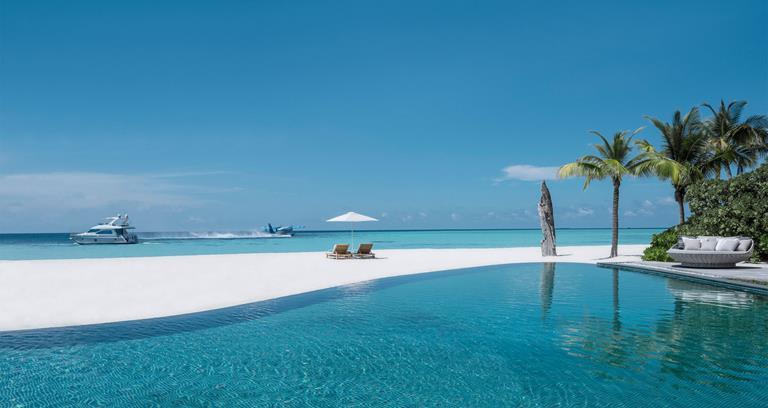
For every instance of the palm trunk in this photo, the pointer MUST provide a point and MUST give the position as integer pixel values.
(728, 171)
(680, 198)
(615, 214)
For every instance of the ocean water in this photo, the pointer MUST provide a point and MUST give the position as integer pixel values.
(58, 246)
(526, 335)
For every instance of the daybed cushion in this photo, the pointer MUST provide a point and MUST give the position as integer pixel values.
(744, 245)
(708, 243)
(727, 244)
(691, 244)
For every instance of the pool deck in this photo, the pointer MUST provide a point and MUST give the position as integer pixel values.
(744, 276)
(68, 292)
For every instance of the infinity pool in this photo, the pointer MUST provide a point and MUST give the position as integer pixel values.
(531, 335)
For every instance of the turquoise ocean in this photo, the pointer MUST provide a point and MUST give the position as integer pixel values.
(58, 245)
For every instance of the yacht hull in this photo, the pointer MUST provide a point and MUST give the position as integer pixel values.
(86, 240)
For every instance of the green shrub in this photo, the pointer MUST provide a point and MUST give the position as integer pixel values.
(735, 207)
(654, 253)
(659, 244)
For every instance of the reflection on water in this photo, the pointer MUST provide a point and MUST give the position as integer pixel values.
(547, 286)
(697, 293)
(616, 310)
(515, 335)
(712, 337)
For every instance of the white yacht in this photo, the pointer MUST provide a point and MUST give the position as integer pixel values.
(114, 230)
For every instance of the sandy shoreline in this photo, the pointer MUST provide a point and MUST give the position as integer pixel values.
(55, 293)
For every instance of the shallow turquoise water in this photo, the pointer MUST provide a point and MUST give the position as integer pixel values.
(531, 335)
(58, 246)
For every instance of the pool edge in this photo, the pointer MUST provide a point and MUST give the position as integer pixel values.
(682, 275)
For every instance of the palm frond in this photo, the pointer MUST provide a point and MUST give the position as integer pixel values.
(589, 170)
(732, 142)
(613, 159)
(645, 146)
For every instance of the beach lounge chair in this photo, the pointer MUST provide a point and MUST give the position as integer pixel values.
(340, 251)
(364, 251)
(711, 252)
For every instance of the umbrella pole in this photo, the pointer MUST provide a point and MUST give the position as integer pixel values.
(352, 248)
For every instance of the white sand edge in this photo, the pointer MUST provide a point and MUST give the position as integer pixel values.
(55, 293)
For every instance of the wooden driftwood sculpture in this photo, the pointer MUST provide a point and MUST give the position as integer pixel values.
(547, 217)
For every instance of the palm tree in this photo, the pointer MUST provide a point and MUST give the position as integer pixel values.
(734, 142)
(684, 146)
(613, 161)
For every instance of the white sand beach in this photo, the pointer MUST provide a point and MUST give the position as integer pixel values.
(56, 293)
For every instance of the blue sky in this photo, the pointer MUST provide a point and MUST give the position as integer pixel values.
(227, 115)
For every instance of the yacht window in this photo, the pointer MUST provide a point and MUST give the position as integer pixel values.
(93, 230)
(105, 232)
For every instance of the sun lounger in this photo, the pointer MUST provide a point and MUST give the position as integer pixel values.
(340, 251)
(364, 251)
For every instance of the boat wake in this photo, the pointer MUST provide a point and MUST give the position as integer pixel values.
(208, 235)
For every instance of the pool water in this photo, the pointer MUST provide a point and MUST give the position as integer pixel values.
(531, 335)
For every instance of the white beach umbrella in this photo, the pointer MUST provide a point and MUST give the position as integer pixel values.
(352, 217)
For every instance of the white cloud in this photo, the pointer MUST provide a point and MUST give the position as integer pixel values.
(59, 192)
(493, 215)
(647, 204)
(579, 212)
(646, 208)
(527, 172)
(666, 201)
(583, 212)
(192, 174)
(455, 216)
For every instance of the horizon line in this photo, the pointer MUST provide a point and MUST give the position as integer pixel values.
(370, 230)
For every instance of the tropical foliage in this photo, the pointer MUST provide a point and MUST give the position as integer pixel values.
(692, 152)
(684, 142)
(613, 161)
(734, 207)
(660, 243)
(734, 143)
